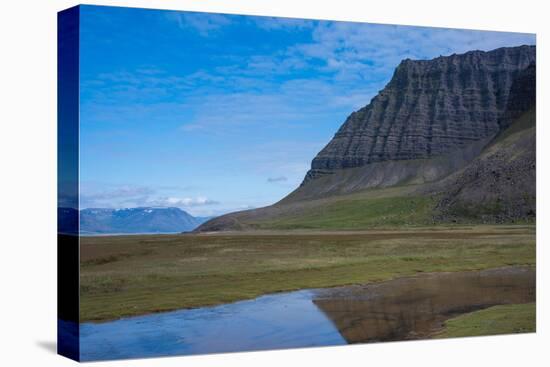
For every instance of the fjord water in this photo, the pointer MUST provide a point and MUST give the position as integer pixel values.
(405, 308)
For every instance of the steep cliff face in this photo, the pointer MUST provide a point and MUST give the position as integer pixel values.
(500, 184)
(387, 174)
(523, 95)
(429, 108)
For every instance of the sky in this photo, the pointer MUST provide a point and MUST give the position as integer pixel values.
(215, 113)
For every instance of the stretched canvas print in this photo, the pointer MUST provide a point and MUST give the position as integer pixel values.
(235, 183)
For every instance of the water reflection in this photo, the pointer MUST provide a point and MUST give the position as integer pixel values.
(412, 308)
(406, 308)
(277, 321)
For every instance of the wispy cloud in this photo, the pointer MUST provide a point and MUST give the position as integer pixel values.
(282, 24)
(262, 109)
(296, 103)
(127, 196)
(185, 202)
(351, 62)
(114, 194)
(205, 24)
(277, 179)
(356, 50)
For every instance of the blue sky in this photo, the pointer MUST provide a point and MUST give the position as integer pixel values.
(215, 113)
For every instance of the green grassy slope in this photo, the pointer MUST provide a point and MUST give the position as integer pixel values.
(373, 208)
(358, 211)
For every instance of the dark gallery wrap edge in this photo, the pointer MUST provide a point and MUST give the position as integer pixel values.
(68, 254)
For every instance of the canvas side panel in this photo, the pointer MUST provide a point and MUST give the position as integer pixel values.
(67, 175)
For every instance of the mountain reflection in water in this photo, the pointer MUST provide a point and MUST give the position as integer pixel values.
(412, 308)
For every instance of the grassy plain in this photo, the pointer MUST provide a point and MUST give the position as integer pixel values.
(132, 275)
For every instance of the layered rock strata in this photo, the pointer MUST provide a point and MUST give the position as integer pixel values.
(429, 108)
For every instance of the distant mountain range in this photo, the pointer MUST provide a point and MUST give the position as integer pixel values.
(129, 220)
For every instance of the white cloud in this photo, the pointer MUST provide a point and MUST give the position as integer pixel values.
(277, 179)
(355, 50)
(284, 24)
(185, 202)
(350, 63)
(204, 23)
(128, 196)
(110, 195)
(295, 103)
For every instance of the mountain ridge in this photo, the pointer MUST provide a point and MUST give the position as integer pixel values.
(428, 108)
(129, 220)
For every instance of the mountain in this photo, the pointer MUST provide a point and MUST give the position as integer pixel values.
(500, 184)
(443, 136)
(137, 220)
(429, 108)
(447, 108)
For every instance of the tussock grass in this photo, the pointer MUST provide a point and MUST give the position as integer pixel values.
(504, 319)
(132, 275)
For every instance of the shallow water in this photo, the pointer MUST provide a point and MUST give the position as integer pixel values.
(416, 307)
(285, 320)
(406, 308)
